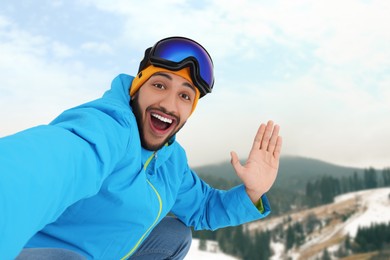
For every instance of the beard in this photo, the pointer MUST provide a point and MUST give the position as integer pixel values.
(138, 116)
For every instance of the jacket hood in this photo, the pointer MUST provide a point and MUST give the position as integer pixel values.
(119, 91)
(120, 95)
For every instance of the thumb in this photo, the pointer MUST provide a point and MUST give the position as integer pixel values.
(235, 162)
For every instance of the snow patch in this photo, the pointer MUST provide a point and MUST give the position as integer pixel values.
(212, 253)
(375, 206)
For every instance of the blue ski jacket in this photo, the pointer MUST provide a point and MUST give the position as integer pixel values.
(84, 183)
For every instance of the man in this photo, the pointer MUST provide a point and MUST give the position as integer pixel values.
(99, 180)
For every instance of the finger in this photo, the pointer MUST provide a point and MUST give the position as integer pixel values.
(235, 162)
(267, 135)
(278, 147)
(274, 138)
(259, 137)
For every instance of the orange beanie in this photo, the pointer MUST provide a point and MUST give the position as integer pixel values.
(146, 73)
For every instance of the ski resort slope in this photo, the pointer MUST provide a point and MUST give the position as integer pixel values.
(369, 207)
(374, 207)
(363, 207)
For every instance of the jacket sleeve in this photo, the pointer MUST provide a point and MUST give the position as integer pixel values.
(45, 169)
(204, 207)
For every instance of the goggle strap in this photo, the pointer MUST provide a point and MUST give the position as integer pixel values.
(144, 63)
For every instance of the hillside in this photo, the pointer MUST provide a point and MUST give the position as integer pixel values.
(339, 219)
(334, 222)
(294, 172)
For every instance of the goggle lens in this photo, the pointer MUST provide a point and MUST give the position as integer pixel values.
(177, 52)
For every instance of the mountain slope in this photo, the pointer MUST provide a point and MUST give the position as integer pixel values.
(294, 172)
(344, 216)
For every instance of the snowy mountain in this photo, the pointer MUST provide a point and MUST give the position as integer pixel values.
(374, 208)
(337, 220)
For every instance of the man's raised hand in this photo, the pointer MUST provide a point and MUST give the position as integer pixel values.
(260, 170)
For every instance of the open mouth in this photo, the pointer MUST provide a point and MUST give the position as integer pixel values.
(161, 123)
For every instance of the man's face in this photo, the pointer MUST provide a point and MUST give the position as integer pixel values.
(162, 106)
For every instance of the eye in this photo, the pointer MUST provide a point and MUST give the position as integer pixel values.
(159, 86)
(185, 96)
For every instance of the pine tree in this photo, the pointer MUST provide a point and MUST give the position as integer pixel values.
(329, 188)
(357, 184)
(347, 242)
(298, 234)
(345, 184)
(325, 255)
(224, 238)
(240, 241)
(374, 237)
(290, 238)
(386, 176)
(202, 244)
(261, 248)
(370, 178)
(311, 222)
(310, 191)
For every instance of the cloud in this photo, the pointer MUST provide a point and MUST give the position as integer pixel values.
(329, 33)
(61, 51)
(97, 47)
(319, 68)
(3, 22)
(37, 82)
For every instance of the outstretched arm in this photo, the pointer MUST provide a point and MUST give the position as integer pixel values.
(260, 170)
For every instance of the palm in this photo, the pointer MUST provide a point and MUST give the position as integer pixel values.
(260, 170)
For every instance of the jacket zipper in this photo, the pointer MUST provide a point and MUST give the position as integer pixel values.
(154, 155)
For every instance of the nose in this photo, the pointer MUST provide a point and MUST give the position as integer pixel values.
(169, 102)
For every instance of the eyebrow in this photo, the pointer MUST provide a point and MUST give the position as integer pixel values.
(170, 78)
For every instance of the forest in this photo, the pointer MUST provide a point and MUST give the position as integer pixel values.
(238, 242)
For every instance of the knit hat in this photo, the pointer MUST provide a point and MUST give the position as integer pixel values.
(146, 73)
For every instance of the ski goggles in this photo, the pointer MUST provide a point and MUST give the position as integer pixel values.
(175, 53)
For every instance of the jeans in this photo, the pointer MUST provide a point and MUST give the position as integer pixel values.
(170, 239)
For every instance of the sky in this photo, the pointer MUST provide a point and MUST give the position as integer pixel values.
(319, 69)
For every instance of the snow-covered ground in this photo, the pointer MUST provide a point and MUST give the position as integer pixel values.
(278, 249)
(212, 253)
(375, 206)
(372, 206)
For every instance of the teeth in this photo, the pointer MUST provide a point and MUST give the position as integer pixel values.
(164, 119)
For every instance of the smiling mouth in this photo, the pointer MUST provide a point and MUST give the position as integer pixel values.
(160, 122)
